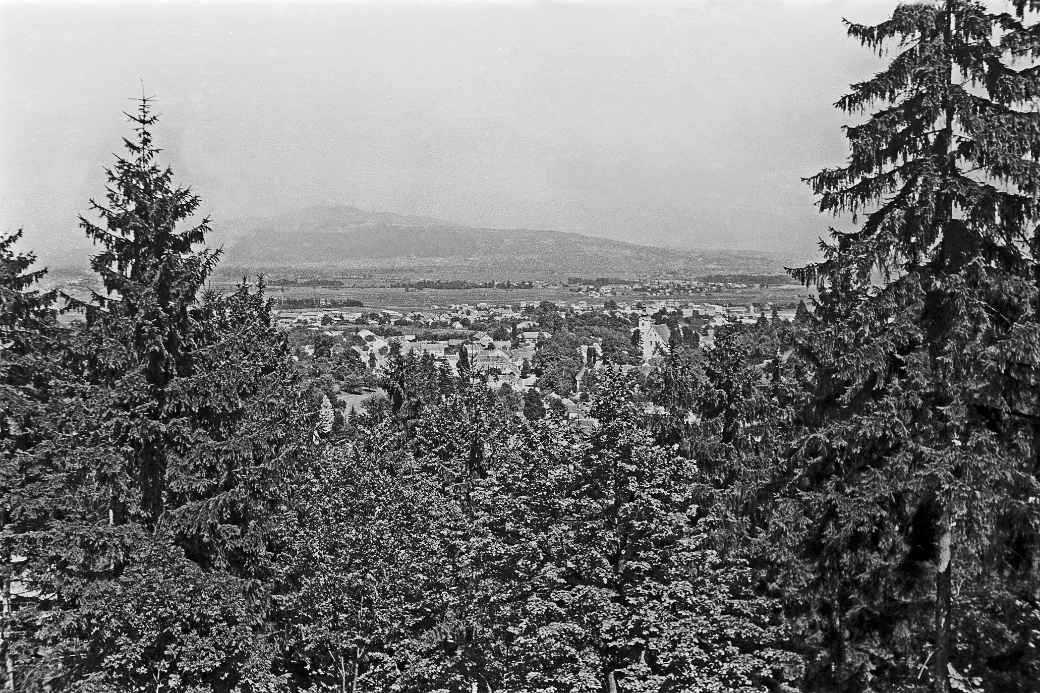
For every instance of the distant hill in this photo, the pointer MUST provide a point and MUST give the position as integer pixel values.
(347, 238)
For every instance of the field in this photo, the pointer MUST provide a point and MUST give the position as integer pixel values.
(425, 299)
(79, 284)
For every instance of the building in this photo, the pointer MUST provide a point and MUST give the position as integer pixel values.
(653, 338)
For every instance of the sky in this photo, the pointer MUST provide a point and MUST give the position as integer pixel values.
(687, 124)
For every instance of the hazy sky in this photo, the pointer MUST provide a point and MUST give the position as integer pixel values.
(681, 124)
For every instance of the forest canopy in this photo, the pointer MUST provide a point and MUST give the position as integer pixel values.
(845, 502)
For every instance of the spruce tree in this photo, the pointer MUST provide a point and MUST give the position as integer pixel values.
(26, 327)
(24, 310)
(178, 432)
(191, 372)
(26, 320)
(919, 476)
(152, 273)
(463, 364)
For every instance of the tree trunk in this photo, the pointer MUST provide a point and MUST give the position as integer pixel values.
(839, 667)
(5, 611)
(354, 674)
(152, 460)
(942, 606)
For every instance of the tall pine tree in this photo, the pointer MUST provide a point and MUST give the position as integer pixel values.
(152, 274)
(179, 430)
(913, 501)
(26, 327)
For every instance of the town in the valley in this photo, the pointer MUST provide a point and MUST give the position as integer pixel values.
(539, 352)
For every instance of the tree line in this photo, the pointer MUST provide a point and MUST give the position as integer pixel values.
(846, 503)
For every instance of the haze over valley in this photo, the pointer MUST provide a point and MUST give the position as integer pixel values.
(327, 239)
(612, 122)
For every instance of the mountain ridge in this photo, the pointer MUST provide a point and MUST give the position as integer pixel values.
(344, 237)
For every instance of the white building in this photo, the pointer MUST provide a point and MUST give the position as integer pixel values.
(653, 338)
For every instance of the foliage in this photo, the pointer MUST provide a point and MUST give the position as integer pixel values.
(366, 564)
(846, 503)
(557, 362)
(918, 460)
(173, 426)
(603, 573)
(165, 624)
(26, 331)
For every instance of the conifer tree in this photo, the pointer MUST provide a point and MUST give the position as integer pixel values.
(191, 372)
(26, 325)
(152, 273)
(24, 310)
(179, 429)
(26, 316)
(463, 364)
(919, 474)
